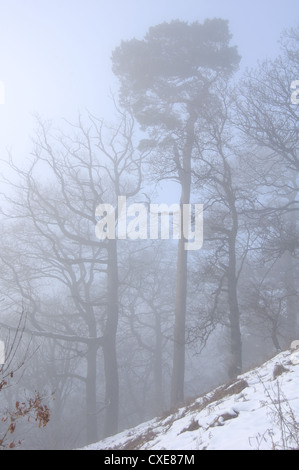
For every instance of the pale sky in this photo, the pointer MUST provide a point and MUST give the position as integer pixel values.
(55, 54)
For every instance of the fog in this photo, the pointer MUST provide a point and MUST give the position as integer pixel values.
(55, 56)
(148, 213)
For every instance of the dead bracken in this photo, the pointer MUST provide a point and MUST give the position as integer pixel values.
(279, 369)
(194, 426)
(137, 442)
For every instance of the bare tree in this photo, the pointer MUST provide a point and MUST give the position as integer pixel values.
(147, 306)
(56, 200)
(168, 79)
(269, 121)
(219, 176)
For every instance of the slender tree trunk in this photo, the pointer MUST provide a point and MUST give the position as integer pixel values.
(109, 347)
(158, 368)
(274, 337)
(292, 302)
(91, 393)
(178, 372)
(236, 338)
(291, 276)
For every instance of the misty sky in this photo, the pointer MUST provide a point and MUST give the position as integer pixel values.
(55, 54)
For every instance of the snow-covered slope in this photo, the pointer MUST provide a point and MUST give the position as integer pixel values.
(260, 410)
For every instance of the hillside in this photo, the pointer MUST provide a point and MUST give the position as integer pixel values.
(259, 411)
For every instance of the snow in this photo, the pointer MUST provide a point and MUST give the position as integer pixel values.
(260, 416)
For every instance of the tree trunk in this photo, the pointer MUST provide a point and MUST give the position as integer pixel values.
(178, 372)
(109, 346)
(91, 393)
(291, 275)
(292, 307)
(234, 311)
(158, 367)
(275, 339)
(236, 339)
